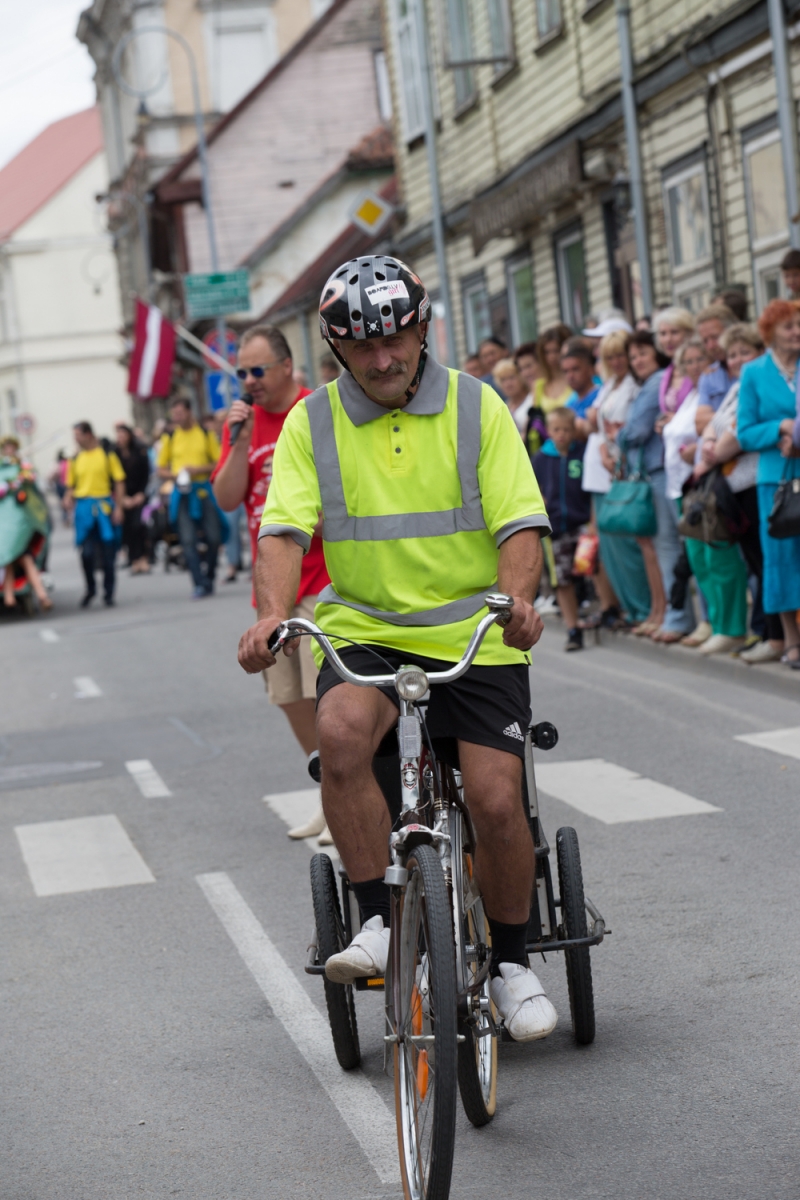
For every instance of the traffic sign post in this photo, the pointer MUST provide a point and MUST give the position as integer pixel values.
(217, 385)
(216, 294)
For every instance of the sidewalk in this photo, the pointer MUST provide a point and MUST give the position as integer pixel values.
(774, 678)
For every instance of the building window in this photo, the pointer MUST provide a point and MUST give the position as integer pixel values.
(521, 300)
(501, 37)
(766, 214)
(571, 271)
(689, 234)
(243, 47)
(383, 85)
(461, 50)
(548, 18)
(409, 74)
(477, 318)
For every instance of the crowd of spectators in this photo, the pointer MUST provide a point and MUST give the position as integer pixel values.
(692, 421)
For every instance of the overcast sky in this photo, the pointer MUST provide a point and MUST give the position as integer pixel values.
(45, 72)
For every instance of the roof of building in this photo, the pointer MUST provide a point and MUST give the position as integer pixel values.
(45, 165)
(375, 152)
(351, 243)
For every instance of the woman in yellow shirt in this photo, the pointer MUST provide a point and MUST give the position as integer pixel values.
(551, 390)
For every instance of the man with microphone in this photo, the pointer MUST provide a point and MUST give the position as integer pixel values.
(243, 474)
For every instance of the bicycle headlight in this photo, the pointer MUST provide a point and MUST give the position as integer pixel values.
(411, 683)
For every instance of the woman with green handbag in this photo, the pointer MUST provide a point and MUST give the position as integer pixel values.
(619, 553)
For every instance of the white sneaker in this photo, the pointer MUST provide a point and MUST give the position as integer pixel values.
(719, 643)
(762, 652)
(312, 828)
(546, 606)
(521, 1002)
(366, 956)
(326, 837)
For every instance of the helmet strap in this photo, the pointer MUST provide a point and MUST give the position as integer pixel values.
(336, 354)
(423, 358)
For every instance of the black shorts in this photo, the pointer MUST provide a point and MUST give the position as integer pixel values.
(490, 706)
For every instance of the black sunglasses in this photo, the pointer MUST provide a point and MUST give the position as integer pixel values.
(256, 372)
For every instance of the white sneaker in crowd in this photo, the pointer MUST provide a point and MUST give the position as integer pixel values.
(546, 606)
(762, 652)
(718, 643)
(521, 1002)
(366, 956)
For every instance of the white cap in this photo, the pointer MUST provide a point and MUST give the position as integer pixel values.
(610, 325)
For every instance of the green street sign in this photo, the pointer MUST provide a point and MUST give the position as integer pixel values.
(216, 295)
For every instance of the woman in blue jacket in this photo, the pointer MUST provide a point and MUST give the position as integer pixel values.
(768, 409)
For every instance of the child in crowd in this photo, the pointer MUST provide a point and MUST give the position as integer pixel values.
(559, 469)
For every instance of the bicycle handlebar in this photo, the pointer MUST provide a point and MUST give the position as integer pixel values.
(500, 611)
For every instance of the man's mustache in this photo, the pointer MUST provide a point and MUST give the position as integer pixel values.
(395, 369)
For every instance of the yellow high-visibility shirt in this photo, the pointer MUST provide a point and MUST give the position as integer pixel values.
(93, 473)
(416, 502)
(189, 448)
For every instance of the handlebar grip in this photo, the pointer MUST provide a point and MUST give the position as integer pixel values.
(274, 638)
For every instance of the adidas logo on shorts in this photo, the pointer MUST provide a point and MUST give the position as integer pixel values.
(514, 731)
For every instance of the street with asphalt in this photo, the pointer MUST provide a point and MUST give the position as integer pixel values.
(159, 1034)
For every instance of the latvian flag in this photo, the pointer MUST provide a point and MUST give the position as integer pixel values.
(153, 353)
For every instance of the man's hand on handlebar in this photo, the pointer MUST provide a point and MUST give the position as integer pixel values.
(254, 652)
(525, 627)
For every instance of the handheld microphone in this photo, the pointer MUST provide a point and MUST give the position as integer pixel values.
(235, 429)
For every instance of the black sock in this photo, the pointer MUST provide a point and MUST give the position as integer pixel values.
(373, 899)
(508, 945)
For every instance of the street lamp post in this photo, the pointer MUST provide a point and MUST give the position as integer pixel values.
(202, 152)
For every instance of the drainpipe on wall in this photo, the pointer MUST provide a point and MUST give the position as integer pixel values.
(787, 117)
(634, 155)
(305, 337)
(426, 70)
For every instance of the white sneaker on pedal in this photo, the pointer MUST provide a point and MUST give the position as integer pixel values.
(521, 1002)
(365, 957)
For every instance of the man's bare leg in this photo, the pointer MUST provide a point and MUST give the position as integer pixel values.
(351, 723)
(302, 717)
(504, 859)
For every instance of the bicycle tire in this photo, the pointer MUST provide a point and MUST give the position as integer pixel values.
(477, 1054)
(573, 918)
(424, 1004)
(339, 997)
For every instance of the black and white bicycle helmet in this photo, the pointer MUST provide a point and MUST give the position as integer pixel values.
(371, 297)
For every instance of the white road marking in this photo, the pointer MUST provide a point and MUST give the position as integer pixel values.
(80, 855)
(42, 770)
(297, 808)
(614, 794)
(86, 688)
(147, 779)
(49, 635)
(357, 1101)
(780, 741)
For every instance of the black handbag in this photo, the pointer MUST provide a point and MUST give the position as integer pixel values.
(711, 512)
(784, 520)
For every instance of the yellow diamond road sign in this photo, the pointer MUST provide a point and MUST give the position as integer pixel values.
(370, 212)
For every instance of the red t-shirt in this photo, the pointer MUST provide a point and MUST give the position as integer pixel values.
(267, 428)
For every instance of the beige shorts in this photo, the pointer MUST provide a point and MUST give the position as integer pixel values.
(295, 678)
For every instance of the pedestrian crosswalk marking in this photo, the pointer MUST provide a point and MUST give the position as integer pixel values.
(147, 779)
(614, 794)
(357, 1101)
(81, 854)
(86, 688)
(780, 741)
(49, 635)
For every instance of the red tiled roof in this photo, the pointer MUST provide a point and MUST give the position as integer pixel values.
(351, 243)
(374, 150)
(39, 171)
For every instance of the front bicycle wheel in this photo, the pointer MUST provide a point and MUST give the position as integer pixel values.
(331, 940)
(477, 1053)
(424, 1023)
